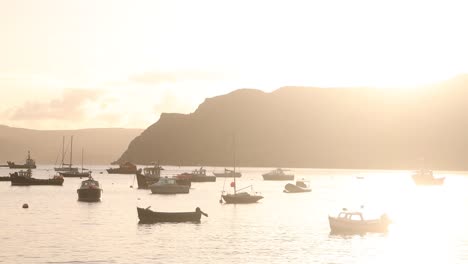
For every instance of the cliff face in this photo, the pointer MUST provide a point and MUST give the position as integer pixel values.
(316, 127)
(101, 145)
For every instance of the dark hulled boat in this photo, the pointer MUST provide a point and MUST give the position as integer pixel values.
(126, 168)
(4, 178)
(278, 175)
(147, 216)
(24, 178)
(89, 190)
(299, 187)
(198, 176)
(75, 174)
(148, 176)
(30, 163)
(241, 198)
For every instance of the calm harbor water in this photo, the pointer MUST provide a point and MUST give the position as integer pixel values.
(429, 223)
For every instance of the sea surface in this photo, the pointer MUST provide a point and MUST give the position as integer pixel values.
(430, 224)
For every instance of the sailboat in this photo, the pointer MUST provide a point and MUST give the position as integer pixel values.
(238, 197)
(76, 173)
(63, 166)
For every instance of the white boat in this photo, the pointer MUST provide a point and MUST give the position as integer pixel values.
(168, 186)
(278, 175)
(354, 222)
(426, 177)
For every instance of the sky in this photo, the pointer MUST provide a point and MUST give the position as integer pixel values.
(108, 63)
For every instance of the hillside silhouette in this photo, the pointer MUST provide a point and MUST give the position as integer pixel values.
(101, 145)
(317, 127)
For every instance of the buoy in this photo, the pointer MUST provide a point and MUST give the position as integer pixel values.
(131, 186)
(25, 205)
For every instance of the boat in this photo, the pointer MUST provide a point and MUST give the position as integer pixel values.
(239, 197)
(426, 177)
(151, 175)
(77, 174)
(63, 166)
(4, 178)
(89, 191)
(24, 178)
(228, 174)
(147, 216)
(168, 186)
(300, 186)
(278, 175)
(198, 175)
(30, 163)
(354, 222)
(126, 168)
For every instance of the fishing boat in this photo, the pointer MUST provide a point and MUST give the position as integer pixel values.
(24, 178)
(228, 174)
(4, 178)
(198, 175)
(426, 177)
(77, 174)
(89, 191)
(299, 187)
(168, 186)
(239, 197)
(148, 176)
(126, 168)
(30, 163)
(147, 216)
(63, 166)
(354, 222)
(278, 175)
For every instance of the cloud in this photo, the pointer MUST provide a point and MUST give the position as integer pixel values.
(176, 76)
(72, 106)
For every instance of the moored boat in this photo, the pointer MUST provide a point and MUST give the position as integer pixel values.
(148, 216)
(89, 191)
(228, 174)
(148, 176)
(67, 168)
(300, 186)
(278, 175)
(126, 168)
(24, 178)
(198, 176)
(354, 222)
(76, 173)
(30, 163)
(168, 186)
(426, 177)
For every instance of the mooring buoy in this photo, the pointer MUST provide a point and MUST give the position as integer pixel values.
(25, 205)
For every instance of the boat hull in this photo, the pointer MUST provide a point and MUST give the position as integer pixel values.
(428, 181)
(148, 216)
(196, 178)
(227, 175)
(4, 178)
(278, 177)
(241, 199)
(121, 171)
(23, 181)
(169, 189)
(89, 195)
(12, 165)
(338, 225)
(74, 174)
(291, 188)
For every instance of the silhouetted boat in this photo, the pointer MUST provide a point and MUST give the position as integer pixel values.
(278, 175)
(147, 216)
(168, 186)
(238, 197)
(228, 174)
(30, 163)
(425, 177)
(24, 178)
(126, 168)
(67, 167)
(300, 186)
(4, 178)
(353, 222)
(77, 174)
(89, 190)
(197, 176)
(148, 176)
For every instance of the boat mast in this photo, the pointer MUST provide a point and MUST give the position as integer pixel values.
(82, 151)
(63, 150)
(71, 151)
(234, 171)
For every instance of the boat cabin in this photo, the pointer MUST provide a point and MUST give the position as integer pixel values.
(201, 171)
(166, 181)
(25, 173)
(152, 171)
(90, 183)
(351, 216)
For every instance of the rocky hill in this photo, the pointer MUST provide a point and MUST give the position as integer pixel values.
(317, 127)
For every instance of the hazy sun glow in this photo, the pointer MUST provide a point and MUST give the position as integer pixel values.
(190, 50)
